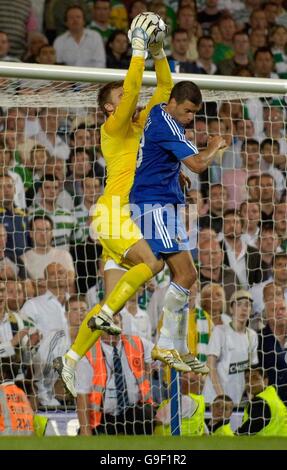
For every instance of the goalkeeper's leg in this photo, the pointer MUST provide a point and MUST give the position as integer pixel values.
(146, 265)
(100, 317)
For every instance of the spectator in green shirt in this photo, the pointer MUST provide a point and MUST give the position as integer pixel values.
(101, 19)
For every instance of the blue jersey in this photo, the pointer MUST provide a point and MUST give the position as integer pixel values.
(162, 149)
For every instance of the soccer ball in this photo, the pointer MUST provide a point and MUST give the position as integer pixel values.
(160, 33)
(146, 21)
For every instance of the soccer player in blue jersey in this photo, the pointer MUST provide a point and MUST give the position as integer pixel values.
(158, 196)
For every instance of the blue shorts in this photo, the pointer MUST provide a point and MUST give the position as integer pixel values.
(164, 230)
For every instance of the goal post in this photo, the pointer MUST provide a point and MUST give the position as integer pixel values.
(89, 74)
(51, 173)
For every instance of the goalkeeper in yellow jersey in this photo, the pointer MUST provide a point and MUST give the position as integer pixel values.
(129, 260)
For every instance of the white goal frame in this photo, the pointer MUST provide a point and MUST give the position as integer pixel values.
(88, 74)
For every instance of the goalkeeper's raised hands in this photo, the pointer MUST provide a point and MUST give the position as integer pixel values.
(157, 41)
(139, 42)
(144, 31)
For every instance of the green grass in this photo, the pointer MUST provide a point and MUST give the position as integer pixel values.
(143, 443)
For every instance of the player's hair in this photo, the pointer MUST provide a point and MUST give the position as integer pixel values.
(186, 91)
(104, 96)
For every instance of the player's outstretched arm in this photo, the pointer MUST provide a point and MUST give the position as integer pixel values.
(198, 163)
(139, 34)
(120, 120)
(163, 76)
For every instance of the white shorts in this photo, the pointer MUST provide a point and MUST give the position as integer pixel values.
(111, 264)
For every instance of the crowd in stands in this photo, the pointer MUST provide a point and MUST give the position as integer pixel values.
(52, 172)
(244, 38)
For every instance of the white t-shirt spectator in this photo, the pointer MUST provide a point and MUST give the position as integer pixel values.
(234, 352)
(36, 263)
(47, 313)
(89, 52)
(238, 264)
(58, 150)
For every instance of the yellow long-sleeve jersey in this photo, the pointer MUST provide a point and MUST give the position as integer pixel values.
(120, 135)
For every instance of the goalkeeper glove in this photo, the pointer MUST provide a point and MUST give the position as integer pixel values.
(156, 50)
(139, 41)
(141, 30)
(156, 45)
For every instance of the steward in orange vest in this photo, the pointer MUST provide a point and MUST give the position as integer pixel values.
(16, 414)
(137, 418)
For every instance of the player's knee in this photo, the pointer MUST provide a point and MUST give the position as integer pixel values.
(156, 265)
(193, 277)
(186, 279)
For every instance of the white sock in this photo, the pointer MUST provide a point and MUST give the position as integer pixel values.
(173, 333)
(180, 337)
(165, 340)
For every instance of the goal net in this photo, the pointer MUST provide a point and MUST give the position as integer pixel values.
(52, 172)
